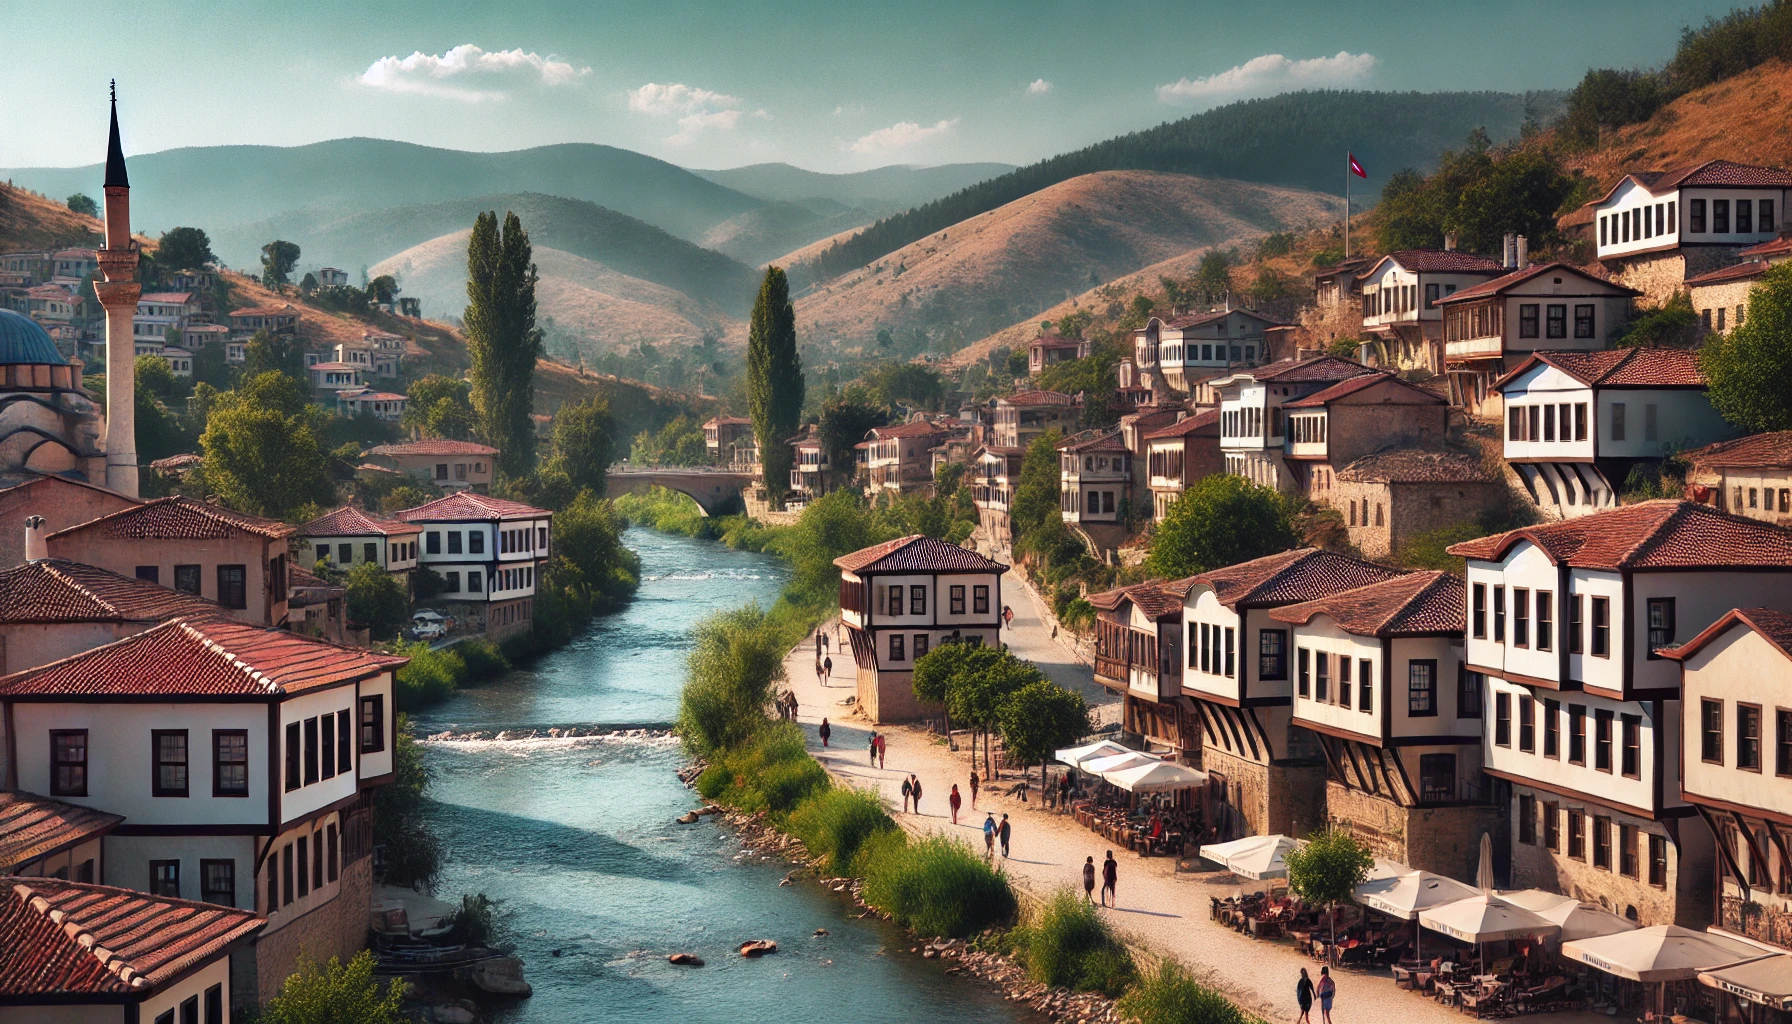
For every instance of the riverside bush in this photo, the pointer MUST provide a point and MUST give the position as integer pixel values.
(837, 823)
(1169, 995)
(483, 659)
(934, 885)
(771, 772)
(1069, 946)
(431, 677)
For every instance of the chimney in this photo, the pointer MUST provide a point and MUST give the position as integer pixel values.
(1509, 251)
(1449, 241)
(1524, 254)
(35, 550)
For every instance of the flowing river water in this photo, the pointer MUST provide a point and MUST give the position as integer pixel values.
(597, 883)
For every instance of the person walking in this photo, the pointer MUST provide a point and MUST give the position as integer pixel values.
(989, 836)
(1110, 879)
(827, 669)
(873, 746)
(1327, 990)
(1063, 792)
(1023, 789)
(916, 779)
(908, 792)
(824, 732)
(954, 801)
(1089, 879)
(883, 746)
(1005, 832)
(1008, 616)
(1303, 994)
(973, 789)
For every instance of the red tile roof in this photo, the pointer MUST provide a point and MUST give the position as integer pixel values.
(1757, 451)
(285, 310)
(1197, 319)
(1663, 534)
(68, 939)
(1416, 604)
(1774, 247)
(311, 587)
(919, 428)
(1303, 574)
(200, 657)
(916, 553)
(57, 590)
(1093, 441)
(464, 506)
(180, 518)
(1725, 173)
(1736, 272)
(1416, 466)
(1039, 398)
(1318, 368)
(349, 521)
(433, 447)
(1054, 341)
(1154, 598)
(1620, 368)
(32, 826)
(1774, 626)
(1189, 426)
(1517, 277)
(1352, 385)
(1437, 261)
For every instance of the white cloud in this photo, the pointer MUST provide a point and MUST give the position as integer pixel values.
(697, 110)
(901, 135)
(468, 73)
(1269, 74)
(1039, 87)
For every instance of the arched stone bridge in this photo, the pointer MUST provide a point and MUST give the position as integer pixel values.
(716, 491)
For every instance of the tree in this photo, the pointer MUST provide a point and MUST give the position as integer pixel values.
(907, 384)
(1478, 194)
(157, 377)
(440, 407)
(334, 992)
(412, 853)
(1214, 278)
(885, 339)
(308, 283)
(262, 454)
(588, 533)
(584, 442)
(83, 204)
(383, 289)
(844, 421)
(408, 496)
(1222, 520)
(502, 338)
(377, 601)
(1039, 718)
(1036, 492)
(1327, 869)
(184, 249)
(774, 380)
(1749, 370)
(277, 260)
(268, 352)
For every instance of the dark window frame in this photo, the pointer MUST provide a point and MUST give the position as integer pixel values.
(1658, 861)
(1695, 216)
(917, 599)
(1602, 842)
(1546, 619)
(311, 773)
(1630, 746)
(956, 596)
(1602, 740)
(1470, 685)
(345, 743)
(207, 890)
(898, 647)
(189, 578)
(1782, 744)
(1521, 617)
(1502, 719)
(326, 735)
(1527, 819)
(1577, 734)
(1527, 723)
(220, 763)
(980, 599)
(1272, 664)
(1747, 759)
(1552, 826)
(1552, 729)
(1479, 605)
(1627, 853)
(1529, 320)
(1365, 682)
(58, 765)
(293, 756)
(372, 726)
(233, 586)
(1664, 632)
(1555, 320)
(1583, 320)
(1428, 690)
(1601, 647)
(158, 761)
(157, 879)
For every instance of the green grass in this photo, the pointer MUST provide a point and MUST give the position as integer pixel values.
(1068, 945)
(837, 823)
(771, 772)
(1169, 995)
(934, 885)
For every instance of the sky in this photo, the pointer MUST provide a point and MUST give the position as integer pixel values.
(826, 86)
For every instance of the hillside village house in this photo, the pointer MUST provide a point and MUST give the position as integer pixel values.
(1138, 657)
(904, 597)
(1021, 417)
(52, 609)
(1749, 476)
(101, 953)
(1336, 426)
(1658, 228)
(157, 312)
(48, 304)
(1251, 418)
(1184, 349)
(488, 550)
(1048, 350)
(195, 337)
(274, 319)
(180, 361)
(994, 473)
(1736, 756)
(243, 760)
(1337, 309)
(68, 267)
(233, 558)
(1721, 296)
(315, 607)
(1577, 422)
(60, 501)
(1400, 295)
(809, 465)
(1490, 327)
(1583, 716)
(450, 465)
(1379, 680)
(381, 405)
(1095, 487)
(348, 536)
(897, 459)
(1391, 497)
(1132, 388)
(330, 277)
(722, 434)
(1179, 456)
(334, 376)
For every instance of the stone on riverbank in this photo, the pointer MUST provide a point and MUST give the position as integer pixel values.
(503, 976)
(686, 959)
(461, 1011)
(758, 947)
(689, 818)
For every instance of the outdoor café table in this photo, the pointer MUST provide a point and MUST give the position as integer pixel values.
(1403, 976)
(1446, 993)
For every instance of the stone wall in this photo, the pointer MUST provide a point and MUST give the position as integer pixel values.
(1723, 306)
(1659, 275)
(337, 928)
(1326, 324)
(886, 696)
(1445, 840)
(1275, 798)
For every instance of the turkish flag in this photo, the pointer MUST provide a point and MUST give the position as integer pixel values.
(1356, 168)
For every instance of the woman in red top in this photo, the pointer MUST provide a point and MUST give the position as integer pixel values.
(955, 801)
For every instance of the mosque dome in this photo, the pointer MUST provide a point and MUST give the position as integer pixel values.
(23, 340)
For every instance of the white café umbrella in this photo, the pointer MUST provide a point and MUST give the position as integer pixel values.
(1155, 778)
(1254, 857)
(1577, 919)
(1767, 981)
(1662, 953)
(1131, 759)
(1410, 894)
(1075, 756)
(1486, 918)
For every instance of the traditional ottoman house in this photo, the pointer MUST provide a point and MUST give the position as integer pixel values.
(233, 558)
(100, 953)
(1251, 418)
(315, 607)
(1179, 455)
(489, 551)
(1335, 427)
(450, 465)
(1200, 345)
(1337, 309)
(1391, 497)
(995, 472)
(1721, 296)
(61, 502)
(898, 459)
(723, 434)
(1048, 350)
(348, 536)
(809, 465)
(902, 598)
(1095, 488)
(52, 609)
(1577, 423)
(1020, 418)
(1379, 680)
(1400, 293)
(1749, 476)
(1736, 757)
(1266, 774)
(1138, 657)
(282, 319)
(1583, 716)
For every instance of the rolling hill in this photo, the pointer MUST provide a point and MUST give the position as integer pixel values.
(895, 187)
(30, 221)
(987, 273)
(1723, 119)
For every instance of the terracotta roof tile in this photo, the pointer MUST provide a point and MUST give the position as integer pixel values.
(1663, 534)
(919, 428)
(1318, 368)
(464, 506)
(1197, 319)
(1303, 574)
(1414, 604)
(1154, 598)
(200, 657)
(433, 447)
(1093, 441)
(1189, 426)
(1416, 466)
(1517, 277)
(1622, 367)
(68, 939)
(1773, 625)
(916, 553)
(1775, 247)
(349, 521)
(1351, 385)
(1735, 272)
(32, 826)
(1757, 451)
(57, 590)
(180, 518)
(1725, 172)
(1039, 398)
(1438, 261)
(1054, 341)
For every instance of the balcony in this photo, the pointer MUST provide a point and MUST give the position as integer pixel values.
(1475, 348)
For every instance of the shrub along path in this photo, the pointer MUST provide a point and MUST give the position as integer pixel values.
(1158, 907)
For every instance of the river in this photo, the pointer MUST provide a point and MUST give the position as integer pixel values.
(597, 884)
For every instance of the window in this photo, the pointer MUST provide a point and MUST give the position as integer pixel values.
(1602, 740)
(1421, 687)
(164, 878)
(1499, 614)
(1502, 719)
(1468, 692)
(1521, 617)
(1480, 608)
(1603, 234)
(1527, 819)
(475, 580)
(1748, 737)
(1322, 676)
(432, 542)
(286, 875)
(294, 751)
(980, 600)
(1527, 724)
(451, 582)
(1437, 777)
(1365, 685)
(1558, 321)
(345, 553)
(441, 471)
(1602, 843)
(1204, 648)
(1552, 728)
(1546, 620)
(957, 595)
(1617, 421)
(1782, 758)
(1515, 424)
(1766, 224)
(1627, 850)
(331, 846)
(1630, 746)
(1720, 216)
(150, 573)
(475, 542)
(1272, 654)
(1695, 216)
(214, 1005)
(217, 882)
(1658, 861)
(1430, 296)
(317, 860)
(541, 536)
(1549, 422)
(896, 600)
(1661, 624)
(186, 578)
(917, 600)
(230, 762)
(1745, 217)
(1231, 660)
(1527, 320)
(1577, 734)
(1580, 421)
(233, 587)
(1575, 629)
(345, 755)
(373, 724)
(327, 758)
(1301, 656)
(1344, 682)
(1602, 630)
(310, 751)
(1577, 834)
(920, 645)
(1552, 827)
(303, 872)
(1583, 321)
(454, 542)
(898, 647)
(68, 762)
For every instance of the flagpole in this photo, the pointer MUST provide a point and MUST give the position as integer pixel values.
(1347, 207)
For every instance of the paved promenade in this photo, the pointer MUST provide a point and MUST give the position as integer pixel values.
(1158, 906)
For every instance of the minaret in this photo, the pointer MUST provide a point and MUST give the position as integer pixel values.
(118, 293)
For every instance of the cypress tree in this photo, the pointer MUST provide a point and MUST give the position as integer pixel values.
(502, 339)
(774, 380)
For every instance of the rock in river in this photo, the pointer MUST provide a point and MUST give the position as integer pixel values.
(758, 947)
(686, 959)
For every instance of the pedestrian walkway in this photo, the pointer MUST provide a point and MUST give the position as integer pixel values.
(1158, 906)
